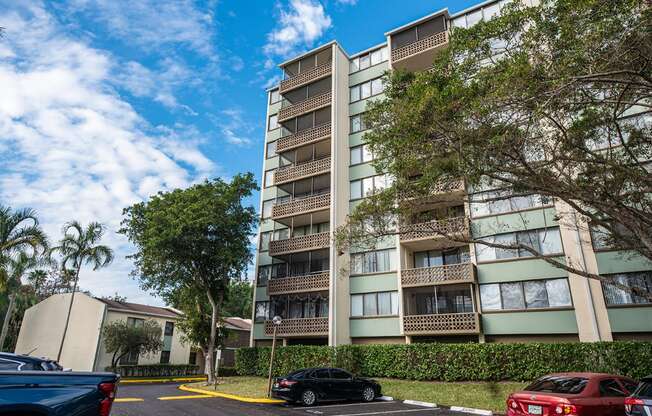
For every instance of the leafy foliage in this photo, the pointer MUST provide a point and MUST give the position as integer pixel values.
(239, 298)
(122, 338)
(156, 370)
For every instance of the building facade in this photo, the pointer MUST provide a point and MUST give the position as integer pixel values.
(418, 286)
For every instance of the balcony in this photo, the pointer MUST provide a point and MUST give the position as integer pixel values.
(438, 275)
(442, 324)
(298, 327)
(297, 244)
(293, 173)
(435, 234)
(303, 138)
(301, 206)
(299, 284)
(419, 55)
(317, 73)
(305, 106)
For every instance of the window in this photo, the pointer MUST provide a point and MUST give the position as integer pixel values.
(374, 304)
(368, 186)
(559, 384)
(338, 374)
(7, 365)
(274, 96)
(434, 258)
(271, 149)
(486, 203)
(262, 311)
(267, 208)
(610, 388)
(357, 123)
(323, 373)
(169, 329)
(361, 154)
(136, 322)
(373, 261)
(445, 299)
(615, 296)
(366, 60)
(265, 237)
(269, 178)
(264, 273)
(367, 89)
(273, 122)
(532, 294)
(165, 357)
(546, 241)
(192, 359)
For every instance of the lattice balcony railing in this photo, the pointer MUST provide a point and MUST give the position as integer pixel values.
(438, 275)
(298, 327)
(450, 227)
(299, 284)
(295, 172)
(422, 45)
(322, 71)
(303, 138)
(301, 206)
(311, 104)
(442, 324)
(301, 243)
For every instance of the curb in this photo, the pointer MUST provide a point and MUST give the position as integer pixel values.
(385, 398)
(230, 396)
(471, 410)
(419, 403)
(162, 380)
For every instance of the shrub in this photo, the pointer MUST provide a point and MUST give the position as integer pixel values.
(457, 362)
(156, 370)
(226, 372)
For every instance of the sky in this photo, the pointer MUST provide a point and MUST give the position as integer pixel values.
(106, 102)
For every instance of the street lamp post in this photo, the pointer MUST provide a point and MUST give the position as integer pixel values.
(276, 321)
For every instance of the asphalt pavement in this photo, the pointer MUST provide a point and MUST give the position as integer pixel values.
(168, 400)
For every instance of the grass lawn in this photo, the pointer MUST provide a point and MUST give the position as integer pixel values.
(479, 395)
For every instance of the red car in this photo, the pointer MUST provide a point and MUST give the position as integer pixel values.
(572, 394)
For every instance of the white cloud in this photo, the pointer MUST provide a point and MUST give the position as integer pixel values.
(300, 25)
(77, 150)
(234, 128)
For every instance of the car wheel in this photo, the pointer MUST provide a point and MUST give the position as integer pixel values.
(308, 397)
(368, 394)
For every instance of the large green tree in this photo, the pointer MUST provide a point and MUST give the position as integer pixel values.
(195, 239)
(551, 100)
(239, 298)
(122, 338)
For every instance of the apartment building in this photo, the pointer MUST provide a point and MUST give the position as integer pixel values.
(418, 286)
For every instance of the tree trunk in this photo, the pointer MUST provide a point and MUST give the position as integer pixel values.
(65, 327)
(5, 324)
(210, 366)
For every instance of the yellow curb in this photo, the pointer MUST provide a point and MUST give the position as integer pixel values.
(230, 396)
(161, 380)
(128, 400)
(194, 396)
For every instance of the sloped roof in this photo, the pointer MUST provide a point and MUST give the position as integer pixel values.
(238, 323)
(139, 308)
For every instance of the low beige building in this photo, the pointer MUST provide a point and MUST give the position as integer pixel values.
(83, 349)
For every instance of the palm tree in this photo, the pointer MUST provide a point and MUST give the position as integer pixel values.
(21, 237)
(80, 246)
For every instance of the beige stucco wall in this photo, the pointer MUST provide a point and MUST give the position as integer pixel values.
(179, 352)
(42, 329)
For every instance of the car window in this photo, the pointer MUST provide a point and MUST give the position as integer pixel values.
(610, 388)
(297, 374)
(644, 390)
(559, 384)
(6, 365)
(630, 385)
(340, 374)
(323, 373)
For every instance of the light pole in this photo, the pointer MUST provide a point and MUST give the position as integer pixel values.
(276, 321)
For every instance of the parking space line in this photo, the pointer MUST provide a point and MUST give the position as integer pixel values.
(386, 412)
(128, 399)
(349, 404)
(192, 396)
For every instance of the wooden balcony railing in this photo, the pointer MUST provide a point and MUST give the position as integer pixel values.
(442, 324)
(438, 275)
(303, 138)
(299, 284)
(304, 170)
(301, 243)
(422, 45)
(301, 206)
(322, 71)
(311, 104)
(298, 327)
(451, 227)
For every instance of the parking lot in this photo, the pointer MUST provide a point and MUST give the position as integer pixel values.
(168, 400)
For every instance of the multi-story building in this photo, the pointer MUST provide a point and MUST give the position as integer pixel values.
(418, 286)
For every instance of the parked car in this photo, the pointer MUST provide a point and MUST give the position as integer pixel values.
(311, 385)
(574, 394)
(640, 402)
(55, 393)
(17, 362)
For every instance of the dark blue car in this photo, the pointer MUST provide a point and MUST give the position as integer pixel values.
(17, 362)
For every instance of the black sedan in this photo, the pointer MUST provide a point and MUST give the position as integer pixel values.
(311, 385)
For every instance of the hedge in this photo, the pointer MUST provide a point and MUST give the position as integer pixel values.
(156, 370)
(456, 362)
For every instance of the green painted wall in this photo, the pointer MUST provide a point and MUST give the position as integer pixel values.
(621, 262)
(273, 134)
(527, 220)
(369, 73)
(363, 170)
(388, 241)
(541, 322)
(375, 327)
(261, 293)
(356, 139)
(259, 332)
(510, 271)
(270, 193)
(360, 106)
(274, 108)
(271, 163)
(264, 259)
(630, 319)
(373, 283)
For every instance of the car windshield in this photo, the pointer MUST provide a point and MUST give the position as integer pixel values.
(644, 390)
(559, 384)
(296, 374)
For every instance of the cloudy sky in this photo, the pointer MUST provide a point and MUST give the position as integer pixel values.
(105, 102)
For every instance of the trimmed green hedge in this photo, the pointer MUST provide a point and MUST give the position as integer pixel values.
(156, 370)
(456, 362)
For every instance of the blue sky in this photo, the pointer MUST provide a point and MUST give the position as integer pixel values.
(105, 102)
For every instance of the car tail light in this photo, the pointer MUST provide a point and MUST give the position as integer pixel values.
(511, 403)
(286, 383)
(632, 401)
(108, 390)
(566, 409)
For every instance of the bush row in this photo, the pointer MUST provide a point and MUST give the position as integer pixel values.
(456, 362)
(156, 370)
